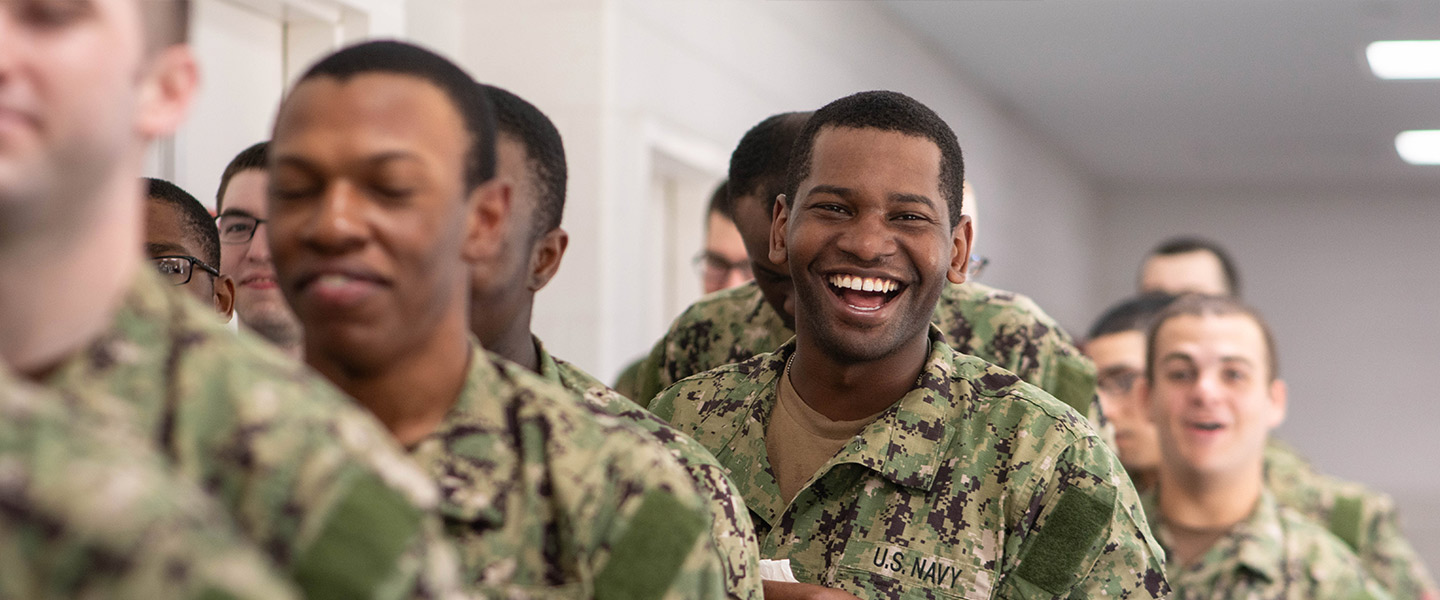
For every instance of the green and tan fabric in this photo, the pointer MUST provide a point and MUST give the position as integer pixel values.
(306, 475)
(1001, 327)
(547, 498)
(1274, 554)
(729, 521)
(93, 511)
(1366, 520)
(973, 485)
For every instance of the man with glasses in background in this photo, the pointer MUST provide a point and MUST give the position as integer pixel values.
(181, 238)
(245, 250)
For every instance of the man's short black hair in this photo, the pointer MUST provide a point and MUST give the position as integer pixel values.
(886, 111)
(720, 201)
(544, 153)
(1135, 314)
(257, 156)
(759, 162)
(194, 218)
(1188, 244)
(400, 58)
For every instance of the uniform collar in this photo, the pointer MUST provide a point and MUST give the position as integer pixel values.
(906, 444)
(549, 370)
(1256, 545)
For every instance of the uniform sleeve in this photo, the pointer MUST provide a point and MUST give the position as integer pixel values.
(1082, 533)
(650, 378)
(1391, 560)
(648, 524)
(87, 512)
(322, 488)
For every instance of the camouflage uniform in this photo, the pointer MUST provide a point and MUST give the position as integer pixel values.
(1274, 554)
(1364, 519)
(730, 526)
(547, 498)
(308, 477)
(88, 511)
(628, 382)
(973, 485)
(1004, 328)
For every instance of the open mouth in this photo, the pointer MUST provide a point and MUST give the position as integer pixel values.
(866, 294)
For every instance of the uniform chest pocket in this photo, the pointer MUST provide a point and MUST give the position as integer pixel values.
(882, 570)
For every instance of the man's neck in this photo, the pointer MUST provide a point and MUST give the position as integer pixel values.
(512, 340)
(59, 289)
(1194, 503)
(412, 395)
(848, 391)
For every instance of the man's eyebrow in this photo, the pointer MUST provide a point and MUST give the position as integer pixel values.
(1177, 356)
(1238, 359)
(833, 190)
(158, 248)
(236, 211)
(914, 199)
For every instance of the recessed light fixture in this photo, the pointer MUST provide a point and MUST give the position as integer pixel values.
(1405, 59)
(1419, 146)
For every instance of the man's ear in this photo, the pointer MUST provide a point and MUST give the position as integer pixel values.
(1279, 399)
(225, 296)
(545, 257)
(167, 88)
(779, 218)
(960, 261)
(486, 219)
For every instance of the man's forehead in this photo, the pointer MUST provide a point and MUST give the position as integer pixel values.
(1210, 336)
(245, 194)
(165, 228)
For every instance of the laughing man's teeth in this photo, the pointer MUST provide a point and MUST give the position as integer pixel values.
(334, 280)
(864, 284)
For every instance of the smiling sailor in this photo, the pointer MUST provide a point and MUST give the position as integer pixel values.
(875, 459)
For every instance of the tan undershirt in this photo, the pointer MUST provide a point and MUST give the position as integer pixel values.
(800, 440)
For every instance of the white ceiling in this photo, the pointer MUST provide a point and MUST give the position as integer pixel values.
(1199, 94)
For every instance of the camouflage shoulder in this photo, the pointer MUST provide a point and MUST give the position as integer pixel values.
(628, 382)
(688, 339)
(729, 520)
(640, 515)
(998, 387)
(699, 393)
(981, 300)
(92, 510)
(1323, 564)
(314, 472)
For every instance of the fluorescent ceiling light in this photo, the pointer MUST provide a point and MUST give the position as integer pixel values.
(1406, 59)
(1419, 147)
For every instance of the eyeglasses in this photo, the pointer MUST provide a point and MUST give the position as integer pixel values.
(715, 269)
(178, 269)
(977, 265)
(1117, 382)
(237, 228)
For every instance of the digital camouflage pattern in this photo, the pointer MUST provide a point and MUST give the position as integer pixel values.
(547, 498)
(730, 527)
(1275, 554)
(1366, 520)
(90, 511)
(307, 476)
(974, 485)
(1001, 327)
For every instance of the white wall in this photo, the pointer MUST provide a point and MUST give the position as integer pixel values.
(613, 73)
(1348, 282)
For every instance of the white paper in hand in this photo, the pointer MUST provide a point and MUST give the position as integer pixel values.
(776, 570)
